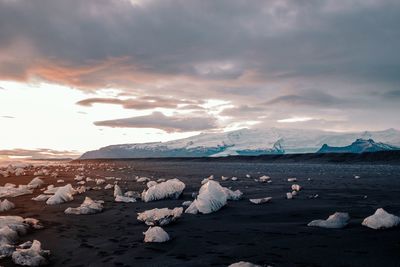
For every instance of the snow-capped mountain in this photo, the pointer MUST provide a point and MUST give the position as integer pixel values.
(243, 142)
(359, 146)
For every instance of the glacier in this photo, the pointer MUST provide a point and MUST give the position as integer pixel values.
(244, 142)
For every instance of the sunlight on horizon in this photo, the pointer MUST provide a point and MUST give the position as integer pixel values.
(46, 116)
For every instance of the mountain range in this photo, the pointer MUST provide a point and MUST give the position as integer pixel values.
(359, 146)
(245, 142)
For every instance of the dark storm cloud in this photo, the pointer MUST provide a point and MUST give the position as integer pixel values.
(209, 39)
(160, 121)
(237, 51)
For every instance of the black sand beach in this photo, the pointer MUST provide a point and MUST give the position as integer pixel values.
(273, 234)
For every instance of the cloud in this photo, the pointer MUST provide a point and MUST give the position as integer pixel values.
(209, 40)
(263, 52)
(41, 153)
(294, 119)
(393, 94)
(140, 103)
(7, 117)
(167, 123)
(309, 98)
(245, 111)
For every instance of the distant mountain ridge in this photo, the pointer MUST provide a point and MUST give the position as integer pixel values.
(244, 142)
(358, 146)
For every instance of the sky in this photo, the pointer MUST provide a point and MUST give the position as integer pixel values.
(79, 75)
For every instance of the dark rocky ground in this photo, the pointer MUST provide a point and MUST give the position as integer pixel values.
(271, 234)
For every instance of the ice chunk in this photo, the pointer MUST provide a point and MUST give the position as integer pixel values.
(8, 235)
(35, 183)
(33, 256)
(117, 191)
(260, 200)
(88, 206)
(34, 223)
(205, 180)
(81, 189)
(63, 194)
(11, 227)
(26, 244)
(292, 179)
(211, 198)
(100, 181)
(296, 187)
(8, 191)
(187, 203)
(142, 179)
(381, 220)
(232, 195)
(289, 195)
(264, 179)
(119, 197)
(224, 178)
(151, 183)
(169, 189)
(41, 197)
(4, 173)
(124, 199)
(44, 172)
(6, 205)
(19, 172)
(336, 220)
(109, 186)
(133, 194)
(243, 264)
(155, 234)
(51, 189)
(192, 209)
(234, 178)
(160, 216)
(78, 177)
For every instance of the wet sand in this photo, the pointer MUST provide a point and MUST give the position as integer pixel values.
(270, 234)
